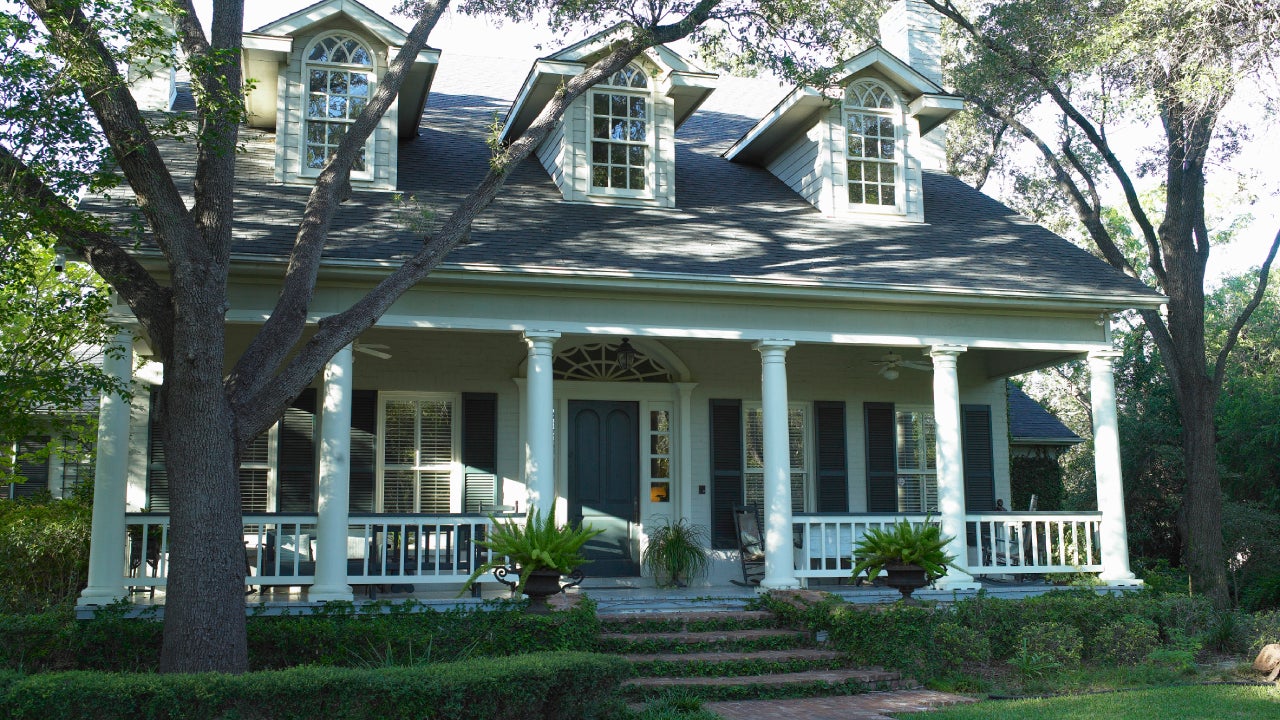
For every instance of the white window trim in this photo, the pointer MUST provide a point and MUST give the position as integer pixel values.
(304, 85)
(899, 208)
(455, 439)
(272, 466)
(651, 144)
(808, 432)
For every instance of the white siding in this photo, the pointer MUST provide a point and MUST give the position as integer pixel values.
(800, 166)
(550, 154)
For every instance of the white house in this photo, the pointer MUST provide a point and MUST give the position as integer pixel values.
(706, 292)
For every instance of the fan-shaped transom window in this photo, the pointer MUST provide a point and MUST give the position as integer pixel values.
(598, 362)
(339, 75)
(871, 122)
(620, 133)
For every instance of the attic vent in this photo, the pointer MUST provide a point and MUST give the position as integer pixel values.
(598, 362)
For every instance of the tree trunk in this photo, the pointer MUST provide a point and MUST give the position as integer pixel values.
(1201, 521)
(204, 602)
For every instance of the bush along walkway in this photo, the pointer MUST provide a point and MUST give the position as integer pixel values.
(744, 656)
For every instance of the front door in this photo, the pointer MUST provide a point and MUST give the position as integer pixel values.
(604, 483)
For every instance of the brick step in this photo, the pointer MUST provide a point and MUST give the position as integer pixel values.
(687, 642)
(694, 620)
(809, 683)
(729, 664)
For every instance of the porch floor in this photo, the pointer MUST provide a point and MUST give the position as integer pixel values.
(621, 595)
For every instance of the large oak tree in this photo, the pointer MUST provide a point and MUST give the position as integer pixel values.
(1099, 67)
(211, 414)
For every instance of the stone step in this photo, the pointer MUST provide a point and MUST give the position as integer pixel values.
(796, 684)
(728, 663)
(686, 620)
(741, 640)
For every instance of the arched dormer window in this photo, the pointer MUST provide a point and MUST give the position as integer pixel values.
(872, 121)
(622, 134)
(339, 72)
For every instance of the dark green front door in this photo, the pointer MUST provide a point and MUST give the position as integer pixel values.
(604, 482)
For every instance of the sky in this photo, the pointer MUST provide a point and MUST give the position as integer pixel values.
(460, 34)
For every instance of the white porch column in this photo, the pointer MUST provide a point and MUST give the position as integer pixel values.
(950, 458)
(110, 481)
(1106, 458)
(539, 414)
(684, 470)
(334, 497)
(779, 555)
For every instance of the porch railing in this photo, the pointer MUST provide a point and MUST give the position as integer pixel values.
(826, 540)
(280, 549)
(1040, 542)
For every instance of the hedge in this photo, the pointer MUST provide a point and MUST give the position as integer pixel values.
(538, 686)
(399, 634)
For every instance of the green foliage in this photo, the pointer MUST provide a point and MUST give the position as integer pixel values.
(1262, 594)
(401, 634)
(676, 552)
(903, 544)
(956, 645)
(1033, 665)
(536, 544)
(45, 547)
(1266, 630)
(1126, 641)
(543, 685)
(1062, 643)
(1036, 475)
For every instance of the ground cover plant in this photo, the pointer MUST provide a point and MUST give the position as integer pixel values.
(1063, 642)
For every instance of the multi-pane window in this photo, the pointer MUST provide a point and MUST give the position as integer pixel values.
(871, 136)
(659, 442)
(417, 455)
(753, 446)
(620, 132)
(917, 441)
(339, 78)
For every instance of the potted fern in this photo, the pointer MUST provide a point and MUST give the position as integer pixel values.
(538, 550)
(911, 556)
(675, 553)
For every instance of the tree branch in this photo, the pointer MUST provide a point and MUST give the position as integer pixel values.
(1264, 275)
(151, 303)
(94, 68)
(255, 408)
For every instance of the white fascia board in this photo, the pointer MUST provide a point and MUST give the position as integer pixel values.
(933, 110)
(679, 63)
(384, 29)
(267, 44)
(689, 90)
(544, 71)
(886, 62)
(795, 99)
(587, 47)
(426, 56)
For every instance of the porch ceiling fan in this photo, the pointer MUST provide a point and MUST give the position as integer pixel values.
(891, 361)
(372, 349)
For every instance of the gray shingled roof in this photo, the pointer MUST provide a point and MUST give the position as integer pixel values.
(732, 220)
(1031, 423)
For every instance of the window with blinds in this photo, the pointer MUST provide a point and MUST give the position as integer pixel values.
(255, 475)
(917, 460)
(753, 448)
(418, 441)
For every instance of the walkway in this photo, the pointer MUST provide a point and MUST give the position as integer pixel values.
(868, 706)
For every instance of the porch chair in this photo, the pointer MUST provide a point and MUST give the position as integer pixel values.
(746, 525)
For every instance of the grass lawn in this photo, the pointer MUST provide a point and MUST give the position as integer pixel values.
(1195, 702)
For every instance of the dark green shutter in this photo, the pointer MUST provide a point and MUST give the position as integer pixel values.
(979, 467)
(833, 461)
(726, 471)
(157, 472)
(882, 461)
(479, 450)
(364, 435)
(36, 472)
(295, 490)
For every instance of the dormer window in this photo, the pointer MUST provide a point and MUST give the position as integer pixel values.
(339, 72)
(872, 122)
(621, 135)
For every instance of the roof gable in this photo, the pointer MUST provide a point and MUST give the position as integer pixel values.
(687, 84)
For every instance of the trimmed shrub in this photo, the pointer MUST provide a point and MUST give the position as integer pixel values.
(45, 547)
(1060, 642)
(955, 645)
(534, 687)
(888, 635)
(1126, 641)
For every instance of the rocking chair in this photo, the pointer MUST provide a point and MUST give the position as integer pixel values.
(746, 523)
